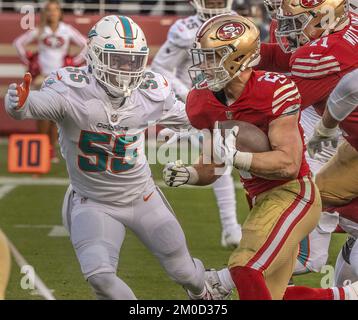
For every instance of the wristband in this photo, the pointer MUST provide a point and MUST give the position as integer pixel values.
(324, 131)
(193, 175)
(242, 160)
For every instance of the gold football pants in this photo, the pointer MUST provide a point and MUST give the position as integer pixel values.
(279, 220)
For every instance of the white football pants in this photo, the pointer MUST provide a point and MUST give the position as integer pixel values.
(97, 231)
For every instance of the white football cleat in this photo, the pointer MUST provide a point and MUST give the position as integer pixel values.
(353, 291)
(216, 289)
(213, 289)
(205, 295)
(231, 237)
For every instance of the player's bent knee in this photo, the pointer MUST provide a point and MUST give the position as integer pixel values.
(168, 238)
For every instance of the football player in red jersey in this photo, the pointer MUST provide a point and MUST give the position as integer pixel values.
(321, 38)
(286, 202)
(338, 179)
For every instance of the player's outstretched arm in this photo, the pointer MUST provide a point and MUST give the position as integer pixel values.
(341, 103)
(22, 103)
(202, 173)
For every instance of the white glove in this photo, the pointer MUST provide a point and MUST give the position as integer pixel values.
(12, 98)
(224, 147)
(17, 94)
(321, 135)
(176, 174)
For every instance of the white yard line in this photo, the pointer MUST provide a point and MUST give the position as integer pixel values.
(39, 284)
(41, 287)
(4, 190)
(65, 182)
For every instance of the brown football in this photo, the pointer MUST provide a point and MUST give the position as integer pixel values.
(250, 138)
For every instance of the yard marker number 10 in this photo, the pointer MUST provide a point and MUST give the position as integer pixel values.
(29, 153)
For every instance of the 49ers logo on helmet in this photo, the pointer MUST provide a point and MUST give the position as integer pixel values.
(311, 3)
(231, 30)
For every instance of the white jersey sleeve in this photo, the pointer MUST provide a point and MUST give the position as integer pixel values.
(344, 98)
(174, 115)
(47, 104)
(158, 90)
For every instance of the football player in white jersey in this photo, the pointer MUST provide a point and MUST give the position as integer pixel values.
(173, 61)
(53, 38)
(102, 111)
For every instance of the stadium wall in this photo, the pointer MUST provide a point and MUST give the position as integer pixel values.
(11, 68)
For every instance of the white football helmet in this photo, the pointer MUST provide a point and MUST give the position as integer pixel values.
(206, 9)
(117, 54)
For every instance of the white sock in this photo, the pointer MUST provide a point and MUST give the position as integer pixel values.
(225, 279)
(224, 189)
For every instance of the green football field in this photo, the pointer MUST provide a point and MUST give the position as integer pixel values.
(30, 216)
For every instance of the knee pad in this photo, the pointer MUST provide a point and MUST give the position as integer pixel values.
(168, 238)
(94, 259)
(101, 282)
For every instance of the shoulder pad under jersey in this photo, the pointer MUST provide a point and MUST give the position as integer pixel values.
(155, 86)
(182, 32)
(64, 78)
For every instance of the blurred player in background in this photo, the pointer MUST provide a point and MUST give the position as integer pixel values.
(173, 60)
(53, 38)
(102, 139)
(313, 253)
(339, 177)
(314, 249)
(5, 263)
